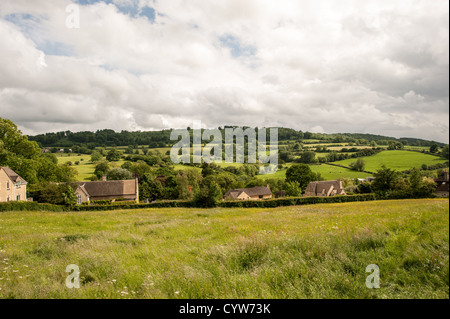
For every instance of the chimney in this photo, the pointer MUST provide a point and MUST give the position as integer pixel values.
(104, 178)
(268, 186)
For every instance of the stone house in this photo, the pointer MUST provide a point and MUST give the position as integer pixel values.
(107, 190)
(325, 188)
(442, 188)
(12, 186)
(253, 193)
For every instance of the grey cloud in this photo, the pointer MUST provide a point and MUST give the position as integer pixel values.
(350, 67)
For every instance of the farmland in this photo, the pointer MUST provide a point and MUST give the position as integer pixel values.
(328, 172)
(399, 160)
(317, 251)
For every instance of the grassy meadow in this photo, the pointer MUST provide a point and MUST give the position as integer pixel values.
(85, 168)
(328, 172)
(315, 251)
(399, 160)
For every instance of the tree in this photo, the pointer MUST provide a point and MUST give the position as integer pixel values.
(434, 148)
(209, 193)
(113, 155)
(119, 174)
(308, 157)
(225, 180)
(293, 189)
(394, 145)
(364, 188)
(415, 178)
(420, 186)
(25, 158)
(445, 152)
(101, 169)
(156, 190)
(385, 179)
(53, 193)
(359, 165)
(300, 173)
(96, 156)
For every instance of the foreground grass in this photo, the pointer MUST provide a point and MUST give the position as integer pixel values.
(317, 251)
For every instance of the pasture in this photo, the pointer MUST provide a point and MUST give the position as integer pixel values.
(315, 251)
(399, 160)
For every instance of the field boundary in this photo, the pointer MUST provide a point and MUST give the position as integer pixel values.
(270, 203)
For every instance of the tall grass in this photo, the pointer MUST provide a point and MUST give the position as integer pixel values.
(317, 251)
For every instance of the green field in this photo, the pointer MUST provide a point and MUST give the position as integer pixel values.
(85, 168)
(328, 172)
(316, 251)
(399, 160)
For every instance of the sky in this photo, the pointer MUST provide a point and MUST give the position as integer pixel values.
(355, 66)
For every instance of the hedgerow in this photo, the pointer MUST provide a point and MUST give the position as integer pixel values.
(269, 203)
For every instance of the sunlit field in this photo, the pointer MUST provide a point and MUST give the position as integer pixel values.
(399, 160)
(316, 251)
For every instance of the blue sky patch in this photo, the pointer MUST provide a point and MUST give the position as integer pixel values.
(131, 9)
(237, 48)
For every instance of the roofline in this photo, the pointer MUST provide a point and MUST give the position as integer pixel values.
(11, 178)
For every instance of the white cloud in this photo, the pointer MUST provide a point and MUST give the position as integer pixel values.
(349, 66)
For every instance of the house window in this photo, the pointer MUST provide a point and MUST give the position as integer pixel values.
(7, 185)
(7, 198)
(18, 197)
(79, 200)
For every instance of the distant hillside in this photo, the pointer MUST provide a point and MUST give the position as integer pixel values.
(161, 138)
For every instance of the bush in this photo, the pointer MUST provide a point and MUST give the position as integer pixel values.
(298, 201)
(30, 206)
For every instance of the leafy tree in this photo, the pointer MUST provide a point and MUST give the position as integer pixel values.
(51, 157)
(415, 178)
(420, 186)
(300, 173)
(394, 145)
(127, 165)
(434, 148)
(96, 156)
(385, 179)
(308, 157)
(113, 155)
(53, 193)
(119, 174)
(445, 152)
(209, 193)
(225, 180)
(359, 165)
(293, 188)
(364, 188)
(152, 191)
(25, 157)
(101, 169)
